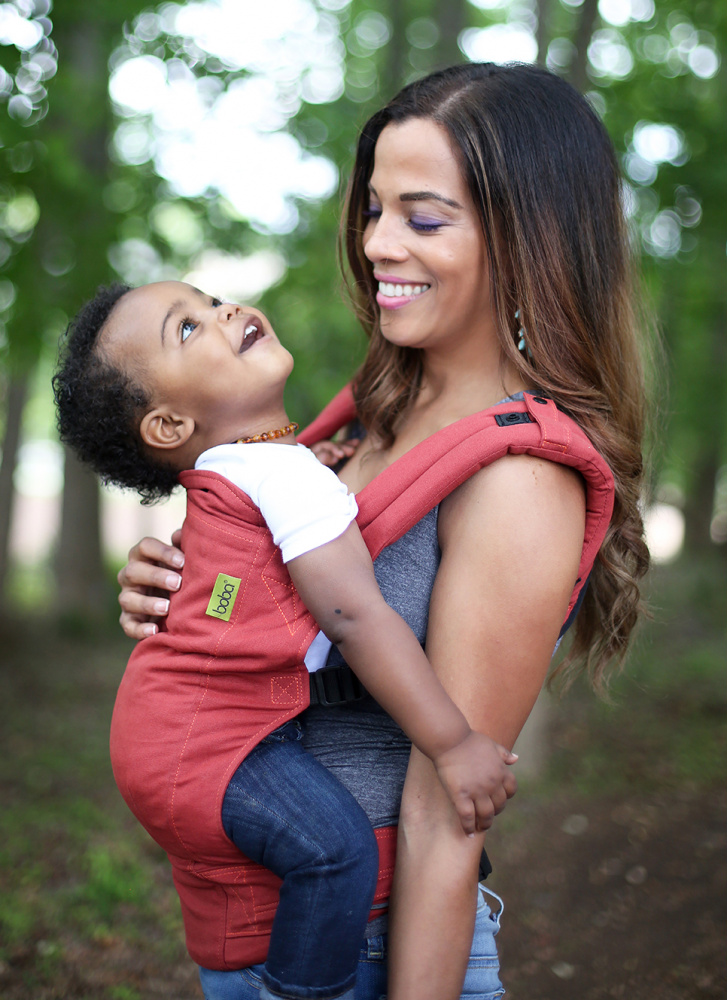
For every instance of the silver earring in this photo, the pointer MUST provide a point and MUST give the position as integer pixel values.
(521, 345)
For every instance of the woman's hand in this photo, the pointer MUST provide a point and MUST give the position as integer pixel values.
(146, 582)
(330, 453)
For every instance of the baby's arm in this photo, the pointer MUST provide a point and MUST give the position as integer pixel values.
(338, 585)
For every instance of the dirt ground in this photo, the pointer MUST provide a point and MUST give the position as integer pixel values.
(615, 897)
(623, 898)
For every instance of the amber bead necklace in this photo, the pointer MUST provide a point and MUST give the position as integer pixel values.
(281, 432)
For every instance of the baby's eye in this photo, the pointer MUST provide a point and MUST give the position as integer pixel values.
(216, 302)
(188, 327)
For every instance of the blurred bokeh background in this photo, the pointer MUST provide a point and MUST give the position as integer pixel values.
(211, 141)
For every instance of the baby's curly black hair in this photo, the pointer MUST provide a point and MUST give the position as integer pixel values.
(100, 407)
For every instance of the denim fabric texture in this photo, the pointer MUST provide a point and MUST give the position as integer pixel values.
(482, 981)
(286, 811)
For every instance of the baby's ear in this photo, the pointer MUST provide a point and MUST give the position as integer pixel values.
(165, 429)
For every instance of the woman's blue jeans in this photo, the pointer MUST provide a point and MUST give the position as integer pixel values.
(286, 811)
(482, 981)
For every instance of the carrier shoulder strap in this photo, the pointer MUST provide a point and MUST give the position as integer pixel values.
(413, 485)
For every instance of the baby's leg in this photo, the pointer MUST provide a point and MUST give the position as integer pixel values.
(287, 812)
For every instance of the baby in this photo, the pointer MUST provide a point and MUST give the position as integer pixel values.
(161, 379)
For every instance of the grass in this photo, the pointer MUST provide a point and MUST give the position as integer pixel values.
(666, 722)
(78, 876)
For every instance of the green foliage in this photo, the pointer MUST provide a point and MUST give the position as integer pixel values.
(69, 199)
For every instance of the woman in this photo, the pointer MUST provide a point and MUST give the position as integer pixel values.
(488, 255)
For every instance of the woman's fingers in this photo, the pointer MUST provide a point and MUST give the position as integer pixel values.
(134, 602)
(149, 569)
(152, 550)
(137, 628)
(138, 574)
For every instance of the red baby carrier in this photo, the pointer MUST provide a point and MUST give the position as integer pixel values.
(228, 669)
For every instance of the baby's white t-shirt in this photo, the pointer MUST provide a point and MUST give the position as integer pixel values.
(303, 502)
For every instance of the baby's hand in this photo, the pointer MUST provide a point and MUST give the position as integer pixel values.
(331, 452)
(475, 776)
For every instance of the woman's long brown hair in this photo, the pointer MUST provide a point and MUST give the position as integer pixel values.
(544, 177)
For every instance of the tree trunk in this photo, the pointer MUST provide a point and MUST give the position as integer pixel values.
(699, 508)
(17, 391)
(82, 589)
(396, 65)
(451, 18)
(542, 33)
(578, 75)
(533, 743)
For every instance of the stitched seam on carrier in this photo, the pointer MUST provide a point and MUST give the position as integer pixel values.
(179, 765)
(277, 605)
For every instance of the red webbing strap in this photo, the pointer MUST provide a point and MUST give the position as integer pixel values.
(413, 485)
(340, 411)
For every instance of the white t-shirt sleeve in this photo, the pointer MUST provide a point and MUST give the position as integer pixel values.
(304, 503)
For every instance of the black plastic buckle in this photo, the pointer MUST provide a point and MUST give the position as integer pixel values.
(335, 686)
(505, 419)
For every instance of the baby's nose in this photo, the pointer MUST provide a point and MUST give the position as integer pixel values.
(228, 311)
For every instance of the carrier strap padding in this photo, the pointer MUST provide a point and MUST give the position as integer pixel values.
(410, 487)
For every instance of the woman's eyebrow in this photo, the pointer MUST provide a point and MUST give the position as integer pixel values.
(422, 196)
(428, 196)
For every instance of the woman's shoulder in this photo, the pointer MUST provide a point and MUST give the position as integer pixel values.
(521, 498)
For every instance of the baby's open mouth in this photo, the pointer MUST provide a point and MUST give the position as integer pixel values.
(253, 331)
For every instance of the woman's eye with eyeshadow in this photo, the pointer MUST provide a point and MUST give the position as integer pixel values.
(424, 225)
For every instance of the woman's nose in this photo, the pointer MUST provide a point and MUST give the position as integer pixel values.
(382, 242)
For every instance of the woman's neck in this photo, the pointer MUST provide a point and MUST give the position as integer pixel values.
(459, 383)
(454, 386)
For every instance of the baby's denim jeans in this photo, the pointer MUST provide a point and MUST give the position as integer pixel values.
(286, 811)
(482, 981)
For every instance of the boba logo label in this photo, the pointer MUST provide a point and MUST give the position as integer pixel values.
(223, 597)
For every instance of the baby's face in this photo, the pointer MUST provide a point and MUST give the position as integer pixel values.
(218, 363)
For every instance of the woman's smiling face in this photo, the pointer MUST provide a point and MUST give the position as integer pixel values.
(425, 240)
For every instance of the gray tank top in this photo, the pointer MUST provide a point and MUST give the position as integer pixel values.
(360, 743)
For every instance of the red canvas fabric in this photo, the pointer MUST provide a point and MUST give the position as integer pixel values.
(199, 695)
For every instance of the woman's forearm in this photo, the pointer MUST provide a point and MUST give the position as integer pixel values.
(433, 901)
(491, 633)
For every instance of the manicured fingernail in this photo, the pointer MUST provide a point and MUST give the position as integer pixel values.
(150, 630)
(173, 581)
(178, 559)
(161, 607)
(515, 756)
